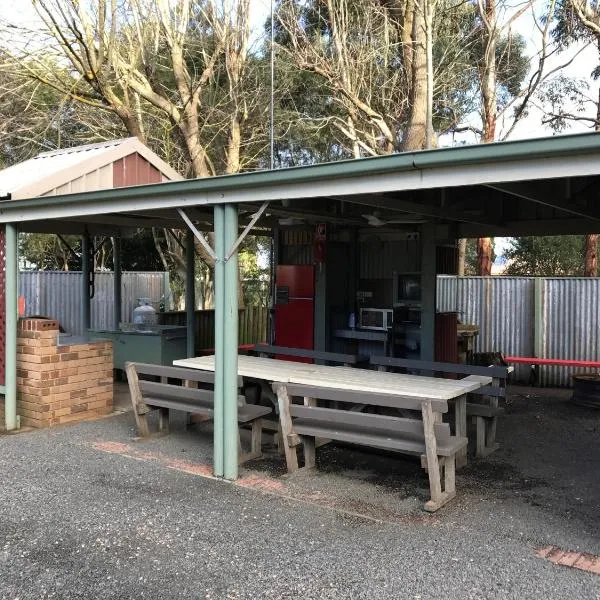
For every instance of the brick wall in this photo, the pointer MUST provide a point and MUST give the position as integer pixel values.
(60, 384)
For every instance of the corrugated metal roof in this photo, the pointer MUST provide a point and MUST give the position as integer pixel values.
(38, 175)
(543, 158)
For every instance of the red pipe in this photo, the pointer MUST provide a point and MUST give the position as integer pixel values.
(552, 361)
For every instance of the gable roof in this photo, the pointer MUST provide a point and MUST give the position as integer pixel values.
(48, 171)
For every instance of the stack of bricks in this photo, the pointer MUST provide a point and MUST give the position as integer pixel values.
(60, 383)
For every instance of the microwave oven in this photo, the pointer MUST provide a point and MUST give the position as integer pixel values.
(376, 318)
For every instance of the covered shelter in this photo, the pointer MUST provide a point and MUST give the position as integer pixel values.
(544, 186)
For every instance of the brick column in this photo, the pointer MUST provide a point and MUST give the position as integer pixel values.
(60, 384)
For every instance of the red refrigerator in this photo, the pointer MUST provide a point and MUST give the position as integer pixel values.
(294, 308)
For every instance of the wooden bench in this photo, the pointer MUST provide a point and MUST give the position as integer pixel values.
(429, 438)
(147, 395)
(484, 413)
(348, 360)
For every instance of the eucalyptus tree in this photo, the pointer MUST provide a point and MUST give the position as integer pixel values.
(577, 23)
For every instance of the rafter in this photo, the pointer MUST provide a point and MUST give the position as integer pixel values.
(533, 193)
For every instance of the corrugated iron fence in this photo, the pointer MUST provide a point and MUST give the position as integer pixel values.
(564, 319)
(57, 294)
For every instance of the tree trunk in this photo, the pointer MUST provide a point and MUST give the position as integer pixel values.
(591, 251)
(591, 240)
(429, 10)
(462, 254)
(487, 73)
(489, 101)
(484, 256)
(415, 134)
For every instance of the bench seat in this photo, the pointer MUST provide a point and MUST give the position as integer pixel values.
(427, 437)
(303, 353)
(483, 410)
(405, 443)
(484, 413)
(193, 394)
(246, 414)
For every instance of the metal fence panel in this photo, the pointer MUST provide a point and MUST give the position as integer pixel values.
(57, 294)
(501, 306)
(571, 312)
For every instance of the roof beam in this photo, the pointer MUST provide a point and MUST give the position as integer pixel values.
(532, 193)
(530, 227)
(391, 202)
(127, 220)
(74, 228)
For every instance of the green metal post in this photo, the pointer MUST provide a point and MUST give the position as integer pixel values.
(117, 281)
(190, 292)
(10, 396)
(219, 299)
(230, 347)
(85, 288)
(428, 292)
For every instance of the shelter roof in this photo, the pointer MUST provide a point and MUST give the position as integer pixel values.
(524, 187)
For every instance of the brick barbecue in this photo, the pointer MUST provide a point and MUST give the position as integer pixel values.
(60, 383)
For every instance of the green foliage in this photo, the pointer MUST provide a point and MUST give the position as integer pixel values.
(255, 270)
(513, 65)
(47, 252)
(138, 252)
(548, 256)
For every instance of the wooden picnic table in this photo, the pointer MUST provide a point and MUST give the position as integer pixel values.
(350, 378)
(345, 378)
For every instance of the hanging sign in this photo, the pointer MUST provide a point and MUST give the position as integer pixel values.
(321, 232)
(320, 243)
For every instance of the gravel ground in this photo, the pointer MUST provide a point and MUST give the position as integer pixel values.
(86, 512)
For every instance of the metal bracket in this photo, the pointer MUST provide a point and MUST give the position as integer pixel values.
(255, 217)
(197, 234)
(68, 246)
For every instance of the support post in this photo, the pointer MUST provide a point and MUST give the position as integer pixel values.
(230, 346)
(10, 396)
(428, 292)
(85, 288)
(538, 328)
(219, 299)
(190, 292)
(538, 321)
(117, 281)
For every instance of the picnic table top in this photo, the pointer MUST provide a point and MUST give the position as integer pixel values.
(344, 378)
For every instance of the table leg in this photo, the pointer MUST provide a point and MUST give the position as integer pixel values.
(460, 415)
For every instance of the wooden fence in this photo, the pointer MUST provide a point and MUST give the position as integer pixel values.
(252, 324)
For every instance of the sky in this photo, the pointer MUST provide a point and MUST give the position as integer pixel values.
(21, 12)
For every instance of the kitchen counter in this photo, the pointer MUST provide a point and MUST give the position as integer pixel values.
(365, 341)
(160, 344)
(369, 335)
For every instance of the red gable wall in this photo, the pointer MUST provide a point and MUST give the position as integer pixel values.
(134, 170)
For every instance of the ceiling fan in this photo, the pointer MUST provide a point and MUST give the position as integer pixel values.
(290, 221)
(374, 220)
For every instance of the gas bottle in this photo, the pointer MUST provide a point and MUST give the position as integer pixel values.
(144, 313)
